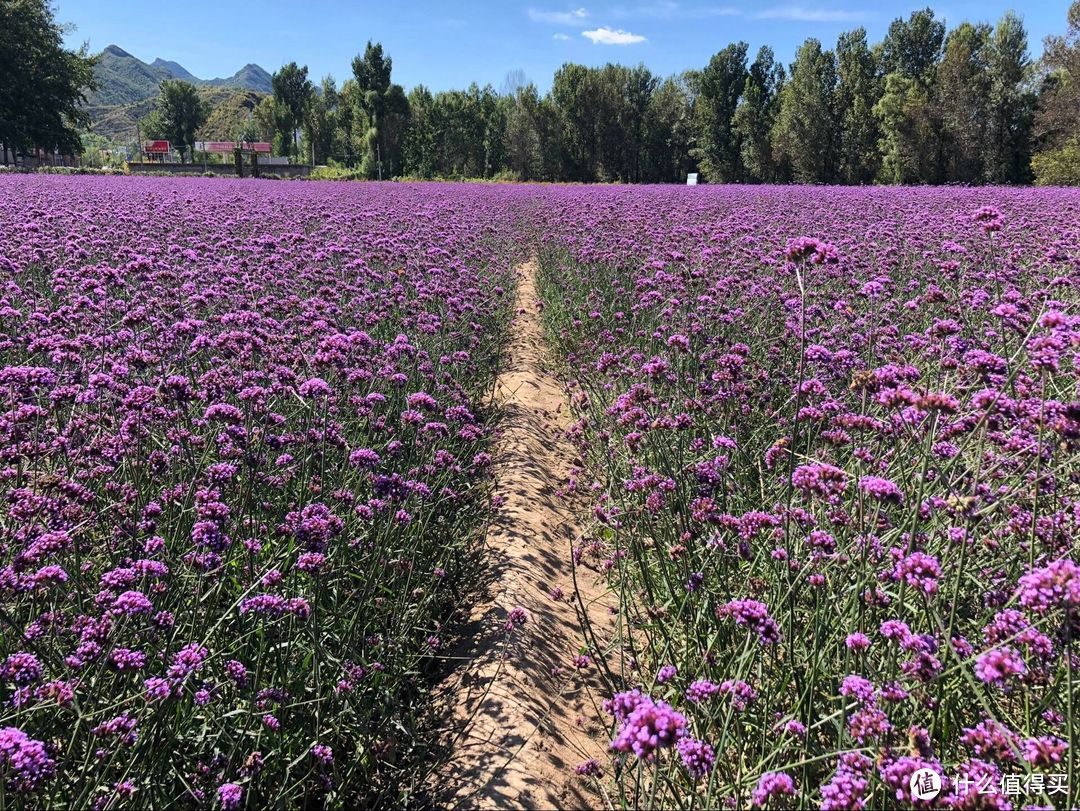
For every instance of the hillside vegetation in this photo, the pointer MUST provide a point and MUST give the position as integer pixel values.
(229, 111)
(127, 87)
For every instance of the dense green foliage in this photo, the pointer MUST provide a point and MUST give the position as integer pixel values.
(385, 111)
(231, 115)
(179, 114)
(1058, 167)
(293, 92)
(42, 85)
(1057, 117)
(926, 105)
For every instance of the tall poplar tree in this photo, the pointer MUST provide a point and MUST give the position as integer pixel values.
(1011, 104)
(721, 85)
(756, 115)
(805, 135)
(857, 91)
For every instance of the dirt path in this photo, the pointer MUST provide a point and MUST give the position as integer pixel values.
(523, 717)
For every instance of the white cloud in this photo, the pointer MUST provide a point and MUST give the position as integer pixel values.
(607, 36)
(577, 17)
(560, 37)
(810, 15)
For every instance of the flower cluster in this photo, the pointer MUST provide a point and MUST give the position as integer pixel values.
(240, 429)
(647, 727)
(23, 761)
(835, 443)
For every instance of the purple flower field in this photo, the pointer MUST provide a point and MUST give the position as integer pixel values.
(242, 471)
(832, 443)
(836, 441)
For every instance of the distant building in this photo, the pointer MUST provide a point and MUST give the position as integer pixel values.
(37, 157)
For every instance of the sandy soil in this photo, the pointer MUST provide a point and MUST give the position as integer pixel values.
(518, 713)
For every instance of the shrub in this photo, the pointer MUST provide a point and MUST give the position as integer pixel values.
(1058, 167)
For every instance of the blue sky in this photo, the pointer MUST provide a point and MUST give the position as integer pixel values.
(446, 44)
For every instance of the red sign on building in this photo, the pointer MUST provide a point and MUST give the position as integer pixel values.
(157, 147)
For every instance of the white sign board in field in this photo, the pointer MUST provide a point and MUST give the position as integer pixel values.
(691, 179)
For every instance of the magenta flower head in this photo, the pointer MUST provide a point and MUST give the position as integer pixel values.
(857, 641)
(810, 251)
(796, 728)
(738, 692)
(651, 726)
(1045, 752)
(701, 690)
(681, 342)
(881, 489)
(157, 689)
(988, 218)
(753, 615)
(24, 762)
(896, 630)
(772, 785)
(920, 571)
(311, 562)
(666, 674)
(589, 768)
(622, 704)
(365, 458)
(992, 740)
(21, 668)
(236, 672)
(314, 388)
(516, 618)
(868, 723)
(862, 689)
(848, 786)
(827, 481)
(697, 757)
(132, 603)
(999, 666)
(230, 795)
(897, 774)
(1053, 586)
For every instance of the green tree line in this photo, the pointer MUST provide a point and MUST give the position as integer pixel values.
(926, 105)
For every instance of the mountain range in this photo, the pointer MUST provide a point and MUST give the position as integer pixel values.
(125, 79)
(127, 88)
